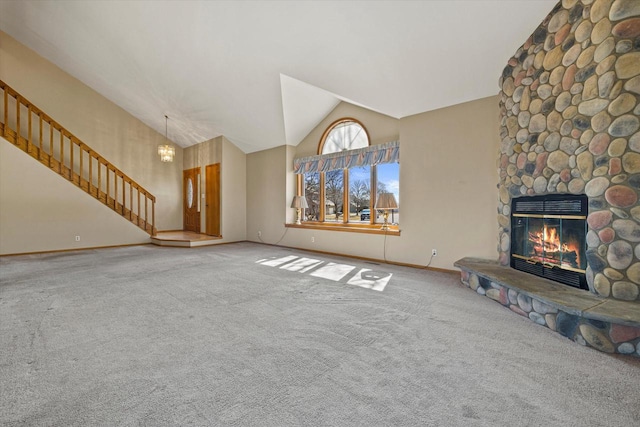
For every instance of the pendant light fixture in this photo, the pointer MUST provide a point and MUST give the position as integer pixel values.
(166, 151)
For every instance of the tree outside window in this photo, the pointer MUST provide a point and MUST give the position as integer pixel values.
(359, 193)
(312, 194)
(334, 195)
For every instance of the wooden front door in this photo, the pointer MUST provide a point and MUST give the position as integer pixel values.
(212, 197)
(190, 196)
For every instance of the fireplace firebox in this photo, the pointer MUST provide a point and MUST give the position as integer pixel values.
(548, 237)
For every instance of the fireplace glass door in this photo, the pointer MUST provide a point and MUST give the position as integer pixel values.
(555, 242)
(549, 243)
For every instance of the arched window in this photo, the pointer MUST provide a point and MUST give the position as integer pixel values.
(342, 135)
(346, 194)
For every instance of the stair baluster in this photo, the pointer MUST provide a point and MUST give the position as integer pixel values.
(91, 180)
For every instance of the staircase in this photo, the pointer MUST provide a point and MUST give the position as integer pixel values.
(28, 128)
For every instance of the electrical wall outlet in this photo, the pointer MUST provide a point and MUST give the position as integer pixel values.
(259, 233)
(77, 238)
(313, 239)
(434, 252)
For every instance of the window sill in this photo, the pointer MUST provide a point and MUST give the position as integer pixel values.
(350, 228)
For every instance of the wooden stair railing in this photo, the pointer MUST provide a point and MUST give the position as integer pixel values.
(44, 139)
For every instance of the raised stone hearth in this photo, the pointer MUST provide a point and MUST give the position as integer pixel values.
(606, 324)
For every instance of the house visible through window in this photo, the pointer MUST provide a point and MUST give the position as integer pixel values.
(341, 184)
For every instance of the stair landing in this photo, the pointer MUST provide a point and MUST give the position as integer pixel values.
(183, 239)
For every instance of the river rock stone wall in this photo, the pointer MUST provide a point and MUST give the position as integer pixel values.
(569, 111)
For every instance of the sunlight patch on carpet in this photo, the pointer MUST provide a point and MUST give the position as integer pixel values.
(277, 261)
(333, 271)
(367, 278)
(364, 277)
(302, 265)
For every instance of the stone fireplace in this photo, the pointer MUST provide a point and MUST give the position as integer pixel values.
(569, 125)
(570, 128)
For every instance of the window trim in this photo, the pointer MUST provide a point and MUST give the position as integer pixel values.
(325, 134)
(393, 230)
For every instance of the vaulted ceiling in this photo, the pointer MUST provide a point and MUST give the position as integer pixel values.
(264, 73)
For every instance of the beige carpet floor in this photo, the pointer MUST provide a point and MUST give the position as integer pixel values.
(234, 335)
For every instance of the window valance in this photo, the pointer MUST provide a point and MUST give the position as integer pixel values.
(367, 156)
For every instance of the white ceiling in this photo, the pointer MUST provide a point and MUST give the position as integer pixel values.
(264, 73)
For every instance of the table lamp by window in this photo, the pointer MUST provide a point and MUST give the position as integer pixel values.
(385, 203)
(299, 203)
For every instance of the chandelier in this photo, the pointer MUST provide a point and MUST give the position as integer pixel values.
(166, 151)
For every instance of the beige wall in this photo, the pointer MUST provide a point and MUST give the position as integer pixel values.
(41, 211)
(115, 134)
(233, 178)
(291, 183)
(447, 186)
(267, 194)
(122, 139)
(448, 182)
(205, 153)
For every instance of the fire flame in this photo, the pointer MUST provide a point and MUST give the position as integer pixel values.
(548, 247)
